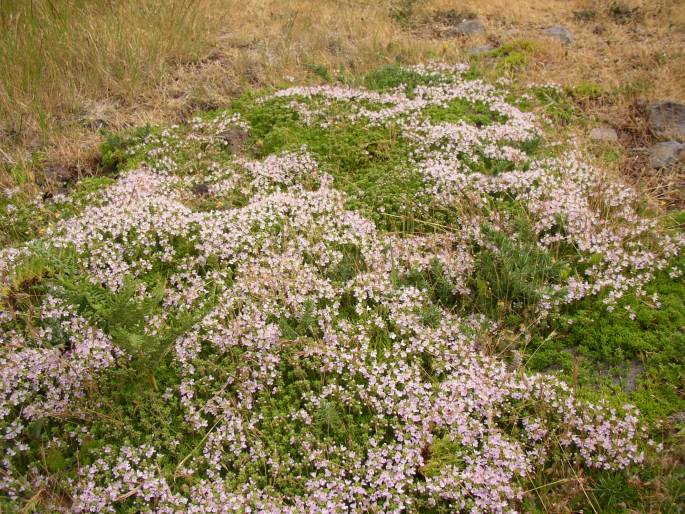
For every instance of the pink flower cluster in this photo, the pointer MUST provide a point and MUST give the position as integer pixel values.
(569, 202)
(450, 424)
(44, 375)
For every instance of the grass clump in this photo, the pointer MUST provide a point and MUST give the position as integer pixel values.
(513, 55)
(54, 53)
(321, 71)
(514, 274)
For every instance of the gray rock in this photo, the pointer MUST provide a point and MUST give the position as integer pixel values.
(468, 27)
(55, 174)
(665, 155)
(604, 134)
(667, 119)
(200, 189)
(480, 49)
(677, 418)
(561, 33)
(635, 369)
(627, 378)
(235, 139)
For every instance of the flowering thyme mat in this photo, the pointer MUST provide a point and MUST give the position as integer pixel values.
(325, 299)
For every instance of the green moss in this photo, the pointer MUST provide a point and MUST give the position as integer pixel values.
(320, 70)
(459, 109)
(513, 55)
(596, 348)
(114, 150)
(370, 164)
(392, 76)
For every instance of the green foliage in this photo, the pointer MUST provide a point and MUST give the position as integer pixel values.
(434, 281)
(614, 492)
(556, 105)
(520, 45)
(392, 76)
(462, 110)
(611, 350)
(55, 461)
(23, 218)
(320, 70)
(513, 55)
(611, 156)
(612, 488)
(26, 285)
(588, 91)
(640, 360)
(131, 408)
(303, 326)
(114, 149)
(371, 164)
(513, 273)
(443, 452)
(351, 263)
(514, 60)
(21, 222)
(85, 188)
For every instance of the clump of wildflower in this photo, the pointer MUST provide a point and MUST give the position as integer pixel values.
(399, 405)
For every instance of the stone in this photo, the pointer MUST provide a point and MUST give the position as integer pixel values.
(678, 418)
(604, 134)
(561, 33)
(468, 27)
(626, 378)
(56, 174)
(200, 189)
(235, 139)
(635, 369)
(665, 155)
(480, 49)
(667, 120)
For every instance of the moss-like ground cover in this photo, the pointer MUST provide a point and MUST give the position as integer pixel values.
(407, 293)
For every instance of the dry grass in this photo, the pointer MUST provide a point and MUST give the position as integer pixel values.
(57, 57)
(69, 68)
(641, 50)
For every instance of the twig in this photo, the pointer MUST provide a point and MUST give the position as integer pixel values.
(561, 481)
(7, 157)
(430, 223)
(127, 495)
(31, 502)
(580, 482)
(196, 447)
